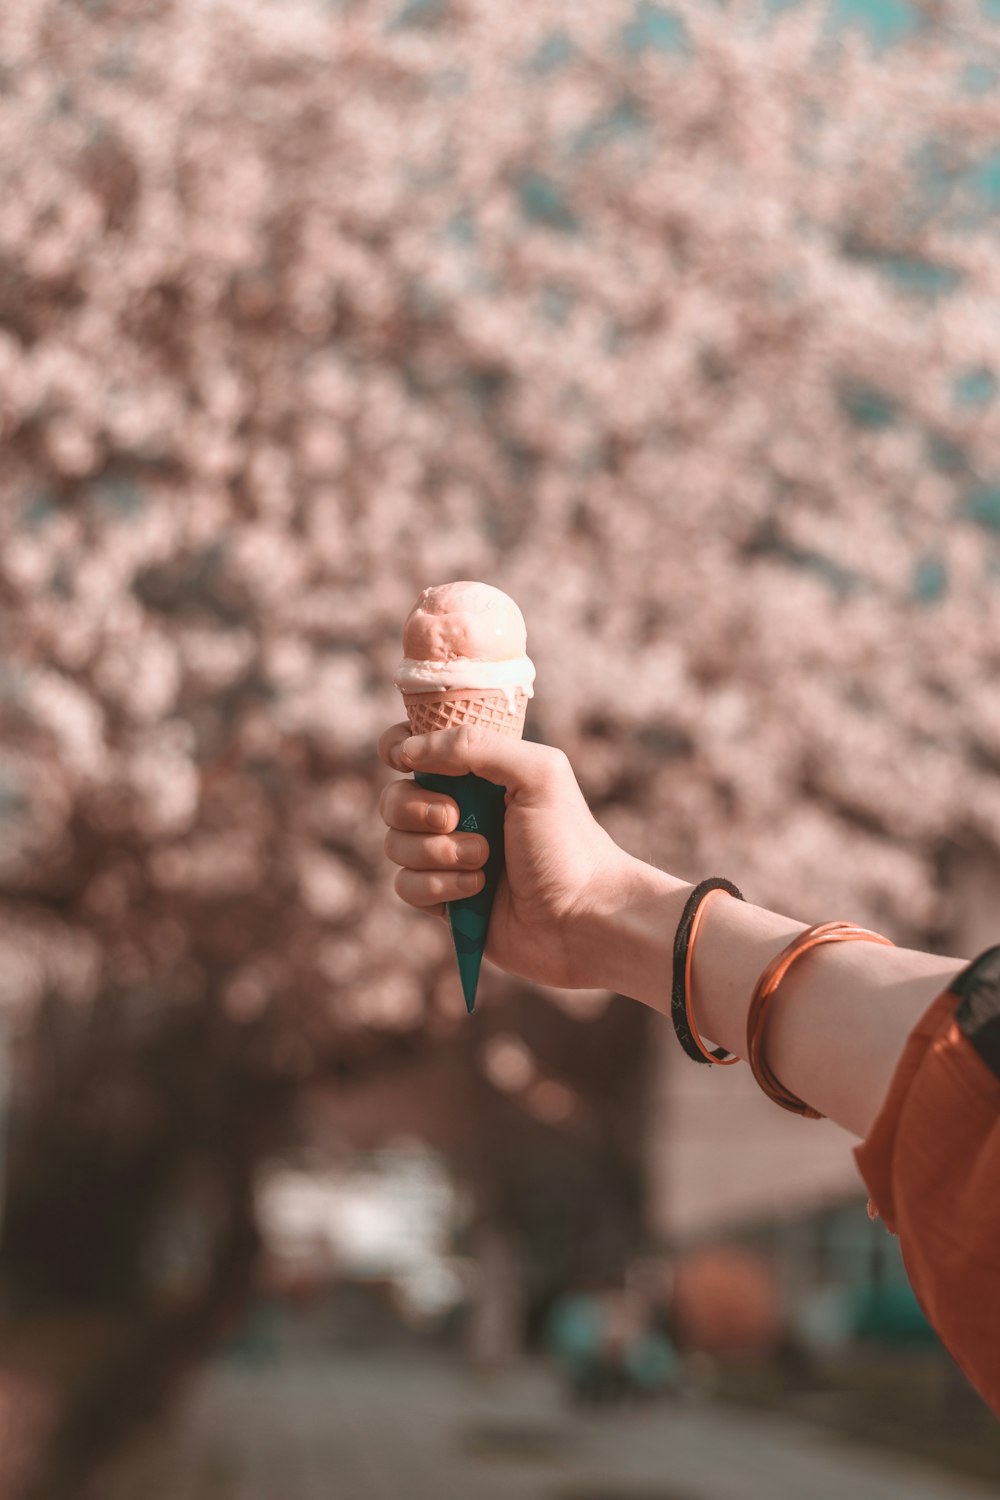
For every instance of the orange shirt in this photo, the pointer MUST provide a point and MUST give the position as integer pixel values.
(932, 1166)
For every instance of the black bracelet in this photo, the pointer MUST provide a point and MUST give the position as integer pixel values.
(678, 993)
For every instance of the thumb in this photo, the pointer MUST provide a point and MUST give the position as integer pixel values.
(520, 765)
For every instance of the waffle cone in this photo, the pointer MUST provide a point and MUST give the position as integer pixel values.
(490, 708)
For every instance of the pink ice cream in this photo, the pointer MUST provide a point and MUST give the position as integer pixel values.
(464, 635)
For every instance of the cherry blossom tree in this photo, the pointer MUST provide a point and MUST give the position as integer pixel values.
(677, 323)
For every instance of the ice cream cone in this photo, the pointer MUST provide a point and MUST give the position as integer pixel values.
(465, 663)
(481, 807)
(490, 707)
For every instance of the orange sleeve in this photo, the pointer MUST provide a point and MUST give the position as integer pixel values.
(932, 1166)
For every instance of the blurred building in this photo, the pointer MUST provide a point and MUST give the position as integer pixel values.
(720, 1155)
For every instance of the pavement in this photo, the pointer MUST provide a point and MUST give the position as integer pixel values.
(413, 1427)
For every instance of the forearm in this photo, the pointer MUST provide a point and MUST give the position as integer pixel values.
(836, 1027)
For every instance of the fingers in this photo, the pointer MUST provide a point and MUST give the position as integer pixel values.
(428, 888)
(388, 742)
(436, 866)
(409, 807)
(417, 851)
(523, 767)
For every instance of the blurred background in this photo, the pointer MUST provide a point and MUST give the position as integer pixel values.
(679, 322)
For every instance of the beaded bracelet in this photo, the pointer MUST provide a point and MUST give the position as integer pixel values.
(680, 994)
(764, 992)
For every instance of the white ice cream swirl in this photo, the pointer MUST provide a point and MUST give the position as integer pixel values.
(416, 676)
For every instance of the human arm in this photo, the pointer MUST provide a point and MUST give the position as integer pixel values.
(577, 911)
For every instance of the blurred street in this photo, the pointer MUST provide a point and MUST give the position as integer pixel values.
(378, 1428)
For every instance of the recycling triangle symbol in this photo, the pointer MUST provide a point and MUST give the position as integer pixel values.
(469, 824)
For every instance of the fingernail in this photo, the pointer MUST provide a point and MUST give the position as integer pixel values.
(410, 750)
(469, 852)
(438, 816)
(468, 880)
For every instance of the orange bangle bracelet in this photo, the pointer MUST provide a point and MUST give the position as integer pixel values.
(764, 992)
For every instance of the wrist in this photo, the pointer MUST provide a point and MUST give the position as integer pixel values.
(625, 943)
(625, 932)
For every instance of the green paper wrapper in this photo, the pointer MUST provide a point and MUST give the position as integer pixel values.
(480, 810)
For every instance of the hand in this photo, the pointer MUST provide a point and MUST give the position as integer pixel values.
(561, 866)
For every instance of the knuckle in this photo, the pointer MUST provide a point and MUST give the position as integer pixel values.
(419, 888)
(469, 739)
(558, 761)
(554, 766)
(406, 887)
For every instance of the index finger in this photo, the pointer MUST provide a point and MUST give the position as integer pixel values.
(522, 766)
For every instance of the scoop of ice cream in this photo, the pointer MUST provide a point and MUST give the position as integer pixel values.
(464, 635)
(473, 620)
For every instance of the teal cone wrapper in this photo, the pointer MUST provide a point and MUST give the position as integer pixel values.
(481, 807)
